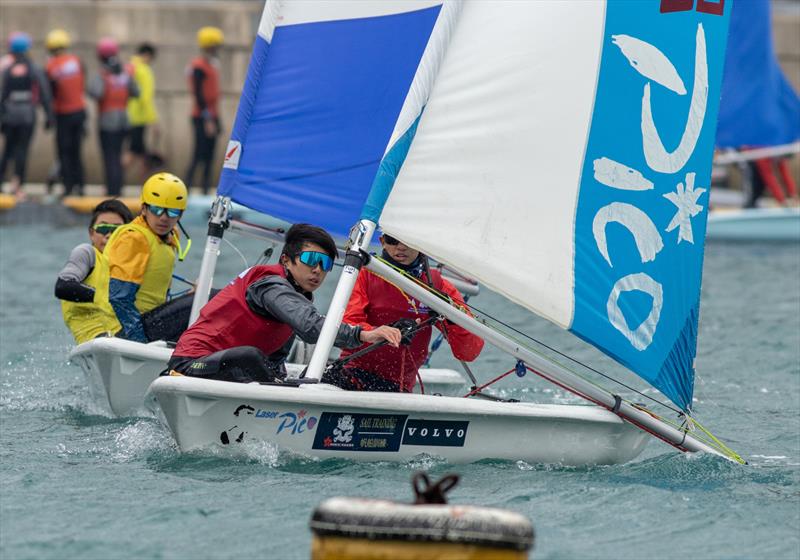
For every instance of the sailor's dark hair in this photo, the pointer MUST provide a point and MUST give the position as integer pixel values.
(300, 234)
(146, 48)
(111, 205)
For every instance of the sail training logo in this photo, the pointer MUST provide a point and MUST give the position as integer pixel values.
(654, 65)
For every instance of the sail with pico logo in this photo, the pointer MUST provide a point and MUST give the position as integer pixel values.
(577, 188)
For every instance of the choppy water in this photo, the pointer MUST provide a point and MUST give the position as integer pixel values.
(76, 484)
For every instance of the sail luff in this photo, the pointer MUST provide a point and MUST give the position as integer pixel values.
(547, 369)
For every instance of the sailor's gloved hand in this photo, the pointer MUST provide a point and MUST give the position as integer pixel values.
(406, 328)
(48, 124)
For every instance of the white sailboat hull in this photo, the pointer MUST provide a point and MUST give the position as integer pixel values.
(325, 422)
(119, 372)
(755, 224)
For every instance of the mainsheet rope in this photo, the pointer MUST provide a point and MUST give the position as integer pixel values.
(685, 427)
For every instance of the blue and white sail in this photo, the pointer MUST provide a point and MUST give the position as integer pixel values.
(559, 152)
(563, 158)
(323, 93)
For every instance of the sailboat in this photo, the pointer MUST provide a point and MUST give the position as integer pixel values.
(558, 152)
(761, 111)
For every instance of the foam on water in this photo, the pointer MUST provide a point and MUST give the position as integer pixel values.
(105, 487)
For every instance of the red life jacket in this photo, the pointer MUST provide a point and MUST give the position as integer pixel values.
(66, 73)
(386, 304)
(209, 88)
(115, 90)
(227, 321)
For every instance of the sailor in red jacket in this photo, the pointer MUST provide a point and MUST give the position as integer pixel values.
(377, 302)
(245, 333)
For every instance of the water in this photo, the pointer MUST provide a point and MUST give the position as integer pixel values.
(76, 484)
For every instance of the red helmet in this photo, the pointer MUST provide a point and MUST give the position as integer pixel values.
(107, 47)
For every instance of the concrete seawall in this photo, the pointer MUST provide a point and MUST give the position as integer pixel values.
(171, 26)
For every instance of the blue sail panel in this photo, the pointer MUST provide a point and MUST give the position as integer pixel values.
(319, 105)
(642, 208)
(759, 106)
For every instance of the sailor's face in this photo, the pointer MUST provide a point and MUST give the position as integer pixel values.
(399, 252)
(100, 238)
(306, 277)
(162, 224)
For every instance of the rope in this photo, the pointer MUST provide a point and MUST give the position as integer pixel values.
(709, 440)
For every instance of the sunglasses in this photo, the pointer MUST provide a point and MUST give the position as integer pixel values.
(389, 240)
(105, 229)
(314, 258)
(158, 211)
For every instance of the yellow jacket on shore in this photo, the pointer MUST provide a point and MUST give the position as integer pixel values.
(142, 109)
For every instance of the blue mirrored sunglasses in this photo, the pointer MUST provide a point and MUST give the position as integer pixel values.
(171, 212)
(314, 258)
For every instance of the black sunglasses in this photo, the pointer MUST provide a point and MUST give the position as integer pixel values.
(389, 240)
(105, 229)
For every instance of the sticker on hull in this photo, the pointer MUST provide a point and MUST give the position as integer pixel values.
(344, 431)
(445, 433)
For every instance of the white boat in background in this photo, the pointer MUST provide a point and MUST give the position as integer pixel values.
(754, 224)
(517, 142)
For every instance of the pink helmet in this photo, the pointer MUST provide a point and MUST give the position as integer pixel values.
(107, 47)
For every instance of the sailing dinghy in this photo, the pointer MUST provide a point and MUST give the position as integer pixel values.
(558, 152)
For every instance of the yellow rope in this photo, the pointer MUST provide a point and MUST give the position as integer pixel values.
(710, 440)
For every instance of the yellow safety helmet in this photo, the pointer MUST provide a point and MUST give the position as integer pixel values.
(165, 190)
(57, 39)
(210, 37)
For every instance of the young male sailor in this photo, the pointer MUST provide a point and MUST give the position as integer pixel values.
(141, 255)
(82, 284)
(374, 302)
(245, 333)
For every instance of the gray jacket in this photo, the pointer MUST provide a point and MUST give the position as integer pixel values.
(17, 98)
(111, 121)
(276, 298)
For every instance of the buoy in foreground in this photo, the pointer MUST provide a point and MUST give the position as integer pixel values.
(367, 529)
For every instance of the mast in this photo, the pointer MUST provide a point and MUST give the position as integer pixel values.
(355, 257)
(547, 369)
(216, 227)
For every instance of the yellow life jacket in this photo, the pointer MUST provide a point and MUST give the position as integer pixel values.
(156, 278)
(89, 320)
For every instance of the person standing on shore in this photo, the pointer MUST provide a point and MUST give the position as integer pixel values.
(204, 87)
(112, 87)
(24, 86)
(67, 77)
(142, 113)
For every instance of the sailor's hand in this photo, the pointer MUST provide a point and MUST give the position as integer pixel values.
(384, 332)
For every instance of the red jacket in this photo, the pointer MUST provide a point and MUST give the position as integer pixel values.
(375, 302)
(65, 71)
(227, 321)
(116, 90)
(209, 88)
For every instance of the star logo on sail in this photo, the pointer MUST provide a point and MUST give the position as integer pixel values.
(685, 198)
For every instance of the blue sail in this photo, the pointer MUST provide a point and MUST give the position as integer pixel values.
(322, 95)
(759, 106)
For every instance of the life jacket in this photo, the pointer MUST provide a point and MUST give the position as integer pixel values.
(210, 87)
(66, 73)
(89, 320)
(387, 304)
(227, 321)
(115, 90)
(157, 278)
(21, 86)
